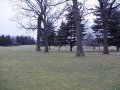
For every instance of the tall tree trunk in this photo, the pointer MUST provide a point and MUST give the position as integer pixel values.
(46, 37)
(105, 39)
(106, 7)
(38, 45)
(79, 52)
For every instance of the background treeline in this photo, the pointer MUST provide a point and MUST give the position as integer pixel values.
(7, 40)
(66, 34)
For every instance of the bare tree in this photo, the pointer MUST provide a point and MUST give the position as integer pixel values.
(36, 15)
(106, 6)
(38, 43)
(44, 9)
(77, 16)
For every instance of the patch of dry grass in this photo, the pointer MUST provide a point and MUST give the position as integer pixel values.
(22, 68)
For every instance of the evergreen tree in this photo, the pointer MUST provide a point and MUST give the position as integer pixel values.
(25, 40)
(51, 35)
(71, 29)
(5, 40)
(114, 29)
(62, 35)
(67, 32)
(98, 27)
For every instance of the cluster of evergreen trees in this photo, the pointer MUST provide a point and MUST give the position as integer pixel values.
(66, 35)
(25, 40)
(6, 40)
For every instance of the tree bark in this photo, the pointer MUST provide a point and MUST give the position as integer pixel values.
(46, 37)
(104, 16)
(38, 45)
(79, 52)
(105, 39)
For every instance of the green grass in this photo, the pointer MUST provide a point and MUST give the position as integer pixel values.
(22, 68)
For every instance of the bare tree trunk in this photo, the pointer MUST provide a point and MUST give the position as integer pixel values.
(105, 40)
(79, 52)
(46, 37)
(38, 34)
(104, 17)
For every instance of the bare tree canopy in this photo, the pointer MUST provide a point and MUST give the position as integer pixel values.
(35, 14)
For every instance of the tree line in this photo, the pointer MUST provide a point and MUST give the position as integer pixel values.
(42, 15)
(7, 40)
(66, 33)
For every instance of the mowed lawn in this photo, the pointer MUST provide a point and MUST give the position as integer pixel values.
(22, 68)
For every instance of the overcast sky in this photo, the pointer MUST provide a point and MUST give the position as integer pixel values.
(9, 27)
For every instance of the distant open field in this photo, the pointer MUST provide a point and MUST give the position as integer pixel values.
(22, 68)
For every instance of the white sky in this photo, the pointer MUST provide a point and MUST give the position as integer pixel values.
(8, 27)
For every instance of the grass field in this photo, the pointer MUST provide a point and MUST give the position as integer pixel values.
(22, 68)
